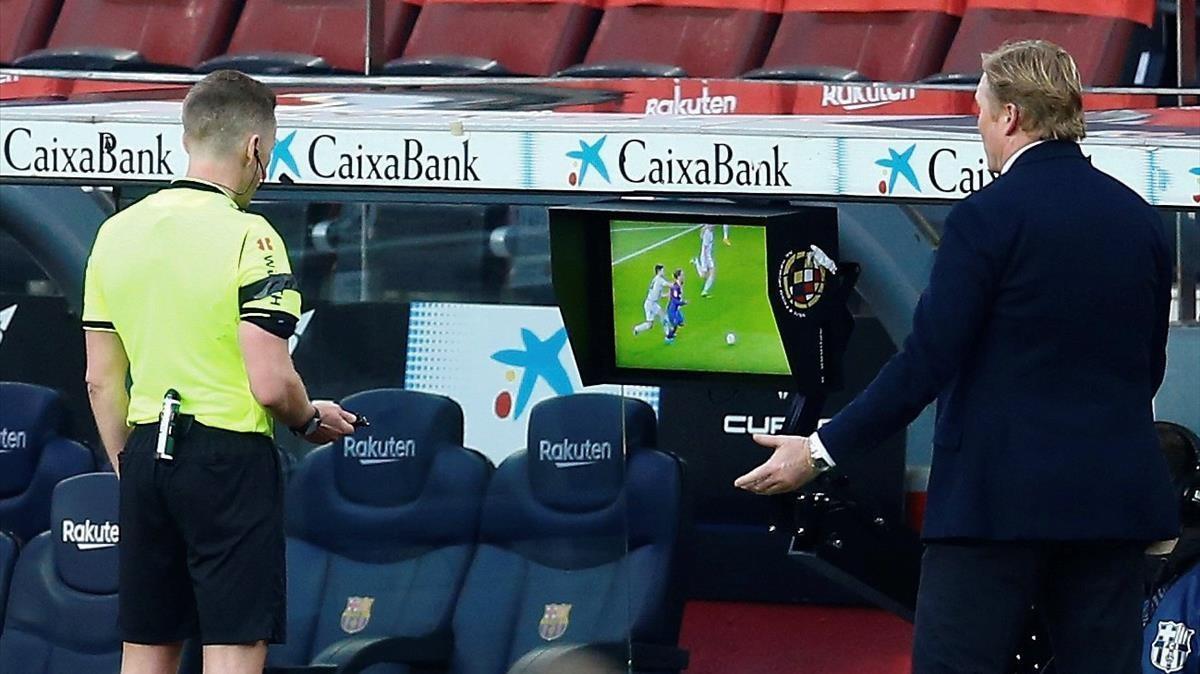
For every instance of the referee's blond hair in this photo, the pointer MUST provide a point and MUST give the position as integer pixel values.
(224, 108)
(1039, 78)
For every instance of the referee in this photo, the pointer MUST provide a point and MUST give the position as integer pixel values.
(193, 299)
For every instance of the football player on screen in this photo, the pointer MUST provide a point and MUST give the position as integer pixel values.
(651, 306)
(706, 265)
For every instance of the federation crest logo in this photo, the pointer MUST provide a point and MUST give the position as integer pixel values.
(802, 279)
(357, 614)
(555, 621)
(1172, 646)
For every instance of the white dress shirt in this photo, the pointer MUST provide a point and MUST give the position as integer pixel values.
(1011, 160)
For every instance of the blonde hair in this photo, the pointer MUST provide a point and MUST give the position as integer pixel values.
(225, 107)
(1041, 80)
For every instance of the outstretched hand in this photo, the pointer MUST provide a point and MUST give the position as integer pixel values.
(789, 468)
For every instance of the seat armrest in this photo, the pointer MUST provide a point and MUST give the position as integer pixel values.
(953, 78)
(350, 656)
(810, 73)
(269, 63)
(616, 69)
(603, 658)
(444, 66)
(83, 58)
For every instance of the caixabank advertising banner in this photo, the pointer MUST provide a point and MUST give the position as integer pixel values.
(497, 362)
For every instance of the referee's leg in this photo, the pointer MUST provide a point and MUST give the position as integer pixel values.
(156, 607)
(156, 659)
(226, 494)
(222, 659)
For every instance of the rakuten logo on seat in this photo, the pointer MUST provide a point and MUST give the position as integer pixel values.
(88, 535)
(12, 440)
(568, 454)
(370, 451)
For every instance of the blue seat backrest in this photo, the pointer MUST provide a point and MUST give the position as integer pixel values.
(62, 608)
(8, 557)
(381, 526)
(578, 540)
(33, 457)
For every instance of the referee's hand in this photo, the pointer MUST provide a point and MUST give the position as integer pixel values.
(335, 422)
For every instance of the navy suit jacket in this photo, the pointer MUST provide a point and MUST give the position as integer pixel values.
(1042, 335)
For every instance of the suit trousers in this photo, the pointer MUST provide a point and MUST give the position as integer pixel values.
(974, 601)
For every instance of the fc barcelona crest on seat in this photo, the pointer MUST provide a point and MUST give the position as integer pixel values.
(555, 620)
(357, 614)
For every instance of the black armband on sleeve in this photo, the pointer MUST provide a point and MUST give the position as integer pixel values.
(278, 323)
(275, 283)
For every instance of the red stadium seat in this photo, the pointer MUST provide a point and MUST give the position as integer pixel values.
(1098, 33)
(130, 34)
(673, 38)
(470, 37)
(886, 40)
(25, 25)
(298, 36)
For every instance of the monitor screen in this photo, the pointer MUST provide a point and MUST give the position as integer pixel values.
(693, 296)
(695, 291)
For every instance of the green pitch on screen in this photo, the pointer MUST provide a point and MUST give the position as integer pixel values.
(737, 303)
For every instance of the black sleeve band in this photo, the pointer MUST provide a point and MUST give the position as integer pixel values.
(278, 323)
(99, 325)
(275, 283)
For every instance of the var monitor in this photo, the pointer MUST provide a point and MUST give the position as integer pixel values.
(661, 291)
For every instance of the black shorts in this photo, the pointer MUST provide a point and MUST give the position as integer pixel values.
(202, 542)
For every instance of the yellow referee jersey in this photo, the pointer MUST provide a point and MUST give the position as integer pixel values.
(173, 275)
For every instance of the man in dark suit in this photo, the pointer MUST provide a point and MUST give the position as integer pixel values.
(1042, 335)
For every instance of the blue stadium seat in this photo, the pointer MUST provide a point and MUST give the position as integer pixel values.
(8, 556)
(33, 456)
(579, 543)
(62, 608)
(381, 527)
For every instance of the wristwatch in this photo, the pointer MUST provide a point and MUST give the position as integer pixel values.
(820, 458)
(310, 426)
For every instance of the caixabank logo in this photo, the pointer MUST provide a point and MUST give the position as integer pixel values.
(538, 360)
(27, 150)
(282, 154)
(944, 171)
(669, 163)
(588, 158)
(371, 159)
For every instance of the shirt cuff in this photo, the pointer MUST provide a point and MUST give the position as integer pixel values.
(819, 451)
